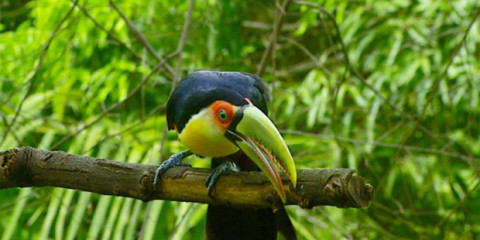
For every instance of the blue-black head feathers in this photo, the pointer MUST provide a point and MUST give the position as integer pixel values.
(200, 89)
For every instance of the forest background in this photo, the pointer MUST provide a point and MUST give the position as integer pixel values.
(388, 88)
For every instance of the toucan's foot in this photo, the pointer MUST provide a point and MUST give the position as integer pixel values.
(174, 160)
(212, 179)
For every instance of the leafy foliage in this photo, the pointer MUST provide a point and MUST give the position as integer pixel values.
(389, 88)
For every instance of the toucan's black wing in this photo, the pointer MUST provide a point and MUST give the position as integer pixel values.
(200, 89)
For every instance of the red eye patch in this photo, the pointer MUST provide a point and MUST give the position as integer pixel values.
(223, 112)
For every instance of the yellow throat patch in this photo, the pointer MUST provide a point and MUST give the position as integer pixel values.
(204, 137)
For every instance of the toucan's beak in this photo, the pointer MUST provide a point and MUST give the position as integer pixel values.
(254, 133)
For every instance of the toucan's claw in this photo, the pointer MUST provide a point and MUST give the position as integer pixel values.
(212, 179)
(174, 160)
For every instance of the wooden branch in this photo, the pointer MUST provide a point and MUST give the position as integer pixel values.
(30, 167)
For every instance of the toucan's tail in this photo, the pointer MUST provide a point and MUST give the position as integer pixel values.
(247, 223)
(225, 222)
(240, 223)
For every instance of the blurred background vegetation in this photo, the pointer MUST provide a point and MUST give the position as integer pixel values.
(388, 88)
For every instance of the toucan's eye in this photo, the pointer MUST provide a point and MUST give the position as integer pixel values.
(222, 112)
(222, 115)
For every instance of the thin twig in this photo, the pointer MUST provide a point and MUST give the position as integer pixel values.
(180, 222)
(273, 38)
(129, 128)
(435, 85)
(345, 53)
(114, 106)
(360, 77)
(141, 38)
(181, 44)
(176, 78)
(279, 11)
(460, 203)
(467, 159)
(31, 80)
(178, 67)
(347, 59)
(110, 33)
(308, 53)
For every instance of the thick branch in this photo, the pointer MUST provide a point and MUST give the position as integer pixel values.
(30, 167)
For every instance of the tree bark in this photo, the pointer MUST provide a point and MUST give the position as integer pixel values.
(30, 167)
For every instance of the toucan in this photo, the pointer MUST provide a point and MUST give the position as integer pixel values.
(223, 115)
